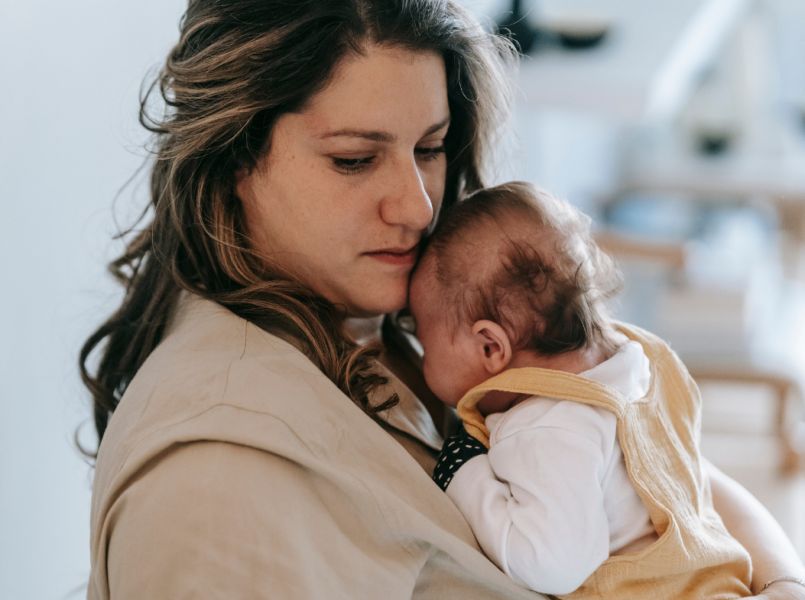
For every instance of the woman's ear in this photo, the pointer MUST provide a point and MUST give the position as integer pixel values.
(493, 346)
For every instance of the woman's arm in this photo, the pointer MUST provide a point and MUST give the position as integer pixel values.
(772, 553)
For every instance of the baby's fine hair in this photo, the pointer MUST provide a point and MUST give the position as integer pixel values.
(526, 260)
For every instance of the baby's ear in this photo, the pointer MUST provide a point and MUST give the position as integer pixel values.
(493, 346)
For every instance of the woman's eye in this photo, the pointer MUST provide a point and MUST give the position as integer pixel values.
(430, 152)
(352, 165)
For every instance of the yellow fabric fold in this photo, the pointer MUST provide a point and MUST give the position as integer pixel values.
(535, 382)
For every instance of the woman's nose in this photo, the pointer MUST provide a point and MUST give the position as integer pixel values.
(407, 201)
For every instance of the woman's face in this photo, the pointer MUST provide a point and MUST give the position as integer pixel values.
(351, 183)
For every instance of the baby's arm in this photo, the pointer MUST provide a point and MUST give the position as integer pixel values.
(535, 501)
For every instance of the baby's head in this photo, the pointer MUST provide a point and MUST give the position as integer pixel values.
(510, 276)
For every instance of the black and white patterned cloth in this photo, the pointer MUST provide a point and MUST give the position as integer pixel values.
(456, 451)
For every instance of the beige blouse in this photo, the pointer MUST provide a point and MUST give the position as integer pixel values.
(233, 468)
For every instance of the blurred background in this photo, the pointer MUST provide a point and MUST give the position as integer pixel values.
(678, 126)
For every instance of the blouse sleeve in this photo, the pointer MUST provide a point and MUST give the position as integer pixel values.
(218, 520)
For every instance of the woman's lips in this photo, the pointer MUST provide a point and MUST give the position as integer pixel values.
(404, 258)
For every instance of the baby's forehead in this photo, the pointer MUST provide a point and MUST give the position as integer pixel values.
(423, 280)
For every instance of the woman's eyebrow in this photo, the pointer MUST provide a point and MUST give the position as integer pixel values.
(380, 136)
(437, 126)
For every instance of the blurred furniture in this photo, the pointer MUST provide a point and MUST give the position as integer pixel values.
(775, 177)
(734, 145)
(740, 137)
(765, 362)
(644, 69)
(576, 109)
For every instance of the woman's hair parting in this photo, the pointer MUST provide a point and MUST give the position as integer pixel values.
(520, 257)
(237, 67)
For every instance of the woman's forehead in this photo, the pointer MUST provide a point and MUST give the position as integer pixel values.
(387, 91)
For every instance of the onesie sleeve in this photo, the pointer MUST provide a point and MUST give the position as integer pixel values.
(535, 502)
(219, 520)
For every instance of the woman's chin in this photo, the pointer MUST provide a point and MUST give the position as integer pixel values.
(380, 303)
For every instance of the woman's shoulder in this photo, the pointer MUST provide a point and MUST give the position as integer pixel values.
(217, 377)
(209, 357)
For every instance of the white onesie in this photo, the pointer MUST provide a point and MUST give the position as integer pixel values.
(551, 500)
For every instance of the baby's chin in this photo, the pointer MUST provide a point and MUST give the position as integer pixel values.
(448, 400)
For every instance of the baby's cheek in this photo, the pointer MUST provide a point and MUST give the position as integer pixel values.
(426, 372)
(431, 377)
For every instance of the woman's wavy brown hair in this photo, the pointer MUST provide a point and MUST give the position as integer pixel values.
(238, 66)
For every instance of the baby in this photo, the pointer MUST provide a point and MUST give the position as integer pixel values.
(592, 485)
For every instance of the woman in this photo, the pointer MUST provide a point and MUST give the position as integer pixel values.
(258, 448)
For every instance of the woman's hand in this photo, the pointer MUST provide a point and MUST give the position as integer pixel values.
(773, 555)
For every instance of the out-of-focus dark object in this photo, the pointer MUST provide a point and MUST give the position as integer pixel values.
(573, 33)
(714, 142)
(579, 33)
(516, 27)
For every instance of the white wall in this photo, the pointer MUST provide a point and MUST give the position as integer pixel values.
(69, 79)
